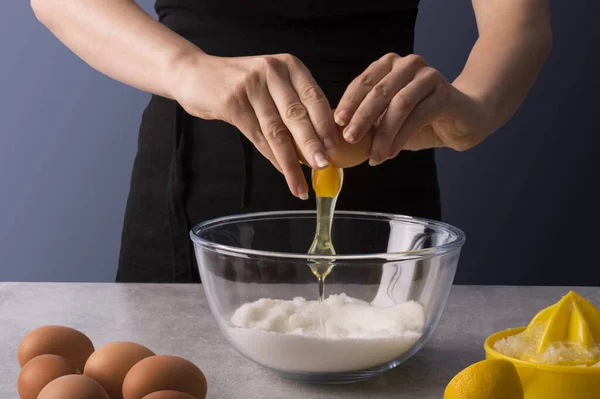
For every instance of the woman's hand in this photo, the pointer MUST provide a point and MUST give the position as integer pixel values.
(413, 106)
(273, 100)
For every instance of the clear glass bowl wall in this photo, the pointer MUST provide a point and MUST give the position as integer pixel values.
(381, 259)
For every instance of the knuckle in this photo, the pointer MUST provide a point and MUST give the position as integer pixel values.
(295, 112)
(252, 78)
(431, 73)
(256, 136)
(311, 144)
(415, 60)
(277, 133)
(376, 63)
(366, 80)
(312, 94)
(402, 103)
(381, 91)
(268, 63)
(288, 58)
(390, 57)
(260, 63)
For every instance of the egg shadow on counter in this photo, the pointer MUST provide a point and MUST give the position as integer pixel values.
(429, 367)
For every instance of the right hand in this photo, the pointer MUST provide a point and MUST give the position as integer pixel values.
(273, 100)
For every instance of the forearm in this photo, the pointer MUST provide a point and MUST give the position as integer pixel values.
(514, 42)
(117, 38)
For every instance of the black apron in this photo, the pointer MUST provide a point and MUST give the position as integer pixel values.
(189, 170)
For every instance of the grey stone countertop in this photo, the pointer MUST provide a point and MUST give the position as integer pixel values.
(175, 319)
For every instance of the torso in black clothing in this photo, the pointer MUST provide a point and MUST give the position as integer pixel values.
(189, 170)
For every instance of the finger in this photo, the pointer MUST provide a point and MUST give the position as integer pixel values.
(280, 140)
(247, 123)
(424, 113)
(423, 139)
(401, 106)
(295, 116)
(242, 115)
(378, 99)
(359, 88)
(315, 102)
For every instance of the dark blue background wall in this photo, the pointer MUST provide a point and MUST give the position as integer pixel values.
(526, 197)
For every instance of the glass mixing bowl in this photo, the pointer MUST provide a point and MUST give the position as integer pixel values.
(404, 264)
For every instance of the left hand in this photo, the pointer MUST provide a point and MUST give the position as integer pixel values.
(412, 106)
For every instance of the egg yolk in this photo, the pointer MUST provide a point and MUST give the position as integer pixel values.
(327, 182)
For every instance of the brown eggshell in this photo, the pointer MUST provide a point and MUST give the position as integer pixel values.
(73, 387)
(110, 364)
(40, 371)
(168, 395)
(163, 373)
(345, 155)
(63, 341)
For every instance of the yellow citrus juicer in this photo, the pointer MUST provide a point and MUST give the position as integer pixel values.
(572, 323)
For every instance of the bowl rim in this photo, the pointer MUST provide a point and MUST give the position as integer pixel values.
(488, 347)
(388, 256)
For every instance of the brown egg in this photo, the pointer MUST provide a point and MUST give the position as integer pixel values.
(168, 395)
(67, 342)
(164, 372)
(73, 387)
(345, 155)
(40, 371)
(110, 364)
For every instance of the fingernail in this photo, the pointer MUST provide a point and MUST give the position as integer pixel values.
(341, 118)
(350, 134)
(375, 159)
(321, 160)
(302, 192)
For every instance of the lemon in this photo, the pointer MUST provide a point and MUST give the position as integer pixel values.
(488, 379)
